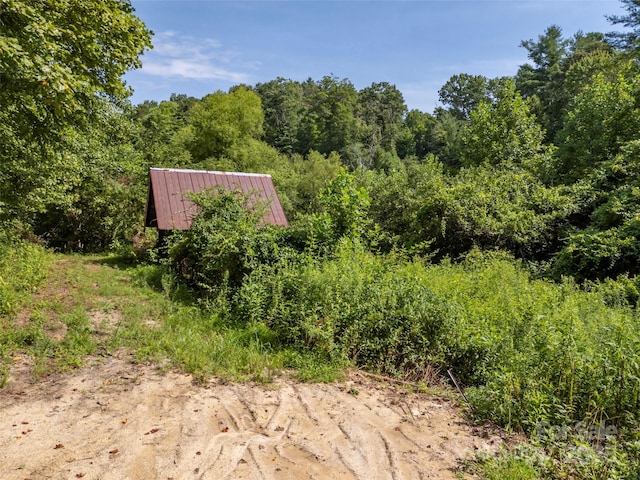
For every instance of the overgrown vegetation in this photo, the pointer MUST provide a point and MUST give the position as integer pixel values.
(496, 237)
(533, 354)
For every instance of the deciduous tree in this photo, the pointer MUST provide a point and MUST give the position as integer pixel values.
(222, 121)
(283, 104)
(504, 132)
(59, 62)
(381, 107)
(462, 93)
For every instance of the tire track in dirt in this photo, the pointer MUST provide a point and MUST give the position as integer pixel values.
(121, 420)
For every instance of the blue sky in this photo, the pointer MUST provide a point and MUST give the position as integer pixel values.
(201, 46)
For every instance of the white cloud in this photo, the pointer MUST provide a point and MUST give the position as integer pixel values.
(191, 69)
(186, 57)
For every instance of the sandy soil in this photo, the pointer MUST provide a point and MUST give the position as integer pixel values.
(118, 420)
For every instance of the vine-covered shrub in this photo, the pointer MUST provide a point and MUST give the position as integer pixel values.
(227, 240)
(371, 310)
(530, 353)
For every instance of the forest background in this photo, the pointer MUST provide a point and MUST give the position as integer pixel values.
(497, 236)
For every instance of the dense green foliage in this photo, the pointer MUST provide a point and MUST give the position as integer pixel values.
(497, 236)
(225, 242)
(61, 65)
(539, 165)
(23, 268)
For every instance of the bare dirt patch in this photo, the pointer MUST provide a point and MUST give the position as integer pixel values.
(118, 420)
(104, 322)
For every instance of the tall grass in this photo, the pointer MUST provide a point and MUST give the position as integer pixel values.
(200, 336)
(23, 267)
(357, 307)
(542, 351)
(529, 350)
(531, 353)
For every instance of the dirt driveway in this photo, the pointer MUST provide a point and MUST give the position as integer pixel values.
(119, 420)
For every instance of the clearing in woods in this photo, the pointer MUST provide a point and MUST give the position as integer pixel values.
(117, 418)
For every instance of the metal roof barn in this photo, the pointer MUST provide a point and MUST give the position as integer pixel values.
(169, 206)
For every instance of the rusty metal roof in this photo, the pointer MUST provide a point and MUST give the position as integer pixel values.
(169, 206)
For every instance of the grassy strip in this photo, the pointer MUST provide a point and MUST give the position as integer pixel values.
(96, 305)
(23, 268)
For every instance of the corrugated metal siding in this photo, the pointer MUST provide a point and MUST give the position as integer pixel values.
(169, 207)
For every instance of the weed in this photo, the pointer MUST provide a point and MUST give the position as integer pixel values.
(508, 466)
(4, 375)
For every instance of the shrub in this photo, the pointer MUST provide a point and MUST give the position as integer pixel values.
(534, 351)
(369, 309)
(227, 240)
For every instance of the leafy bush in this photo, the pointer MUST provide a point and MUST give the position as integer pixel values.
(608, 246)
(540, 351)
(343, 209)
(369, 309)
(591, 254)
(227, 240)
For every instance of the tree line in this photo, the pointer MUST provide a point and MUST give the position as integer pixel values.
(543, 164)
